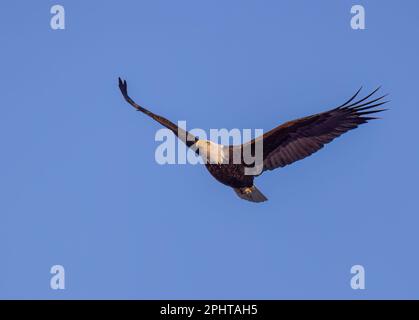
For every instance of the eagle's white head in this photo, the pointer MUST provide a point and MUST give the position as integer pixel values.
(211, 152)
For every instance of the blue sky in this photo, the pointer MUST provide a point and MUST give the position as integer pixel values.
(80, 186)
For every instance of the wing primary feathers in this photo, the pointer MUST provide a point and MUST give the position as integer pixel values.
(371, 111)
(359, 107)
(350, 100)
(123, 86)
(371, 106)
(124, 90)
(370, 118)
(362, 100)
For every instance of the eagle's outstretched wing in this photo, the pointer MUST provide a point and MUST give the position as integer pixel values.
(188, 138)
(297, 139)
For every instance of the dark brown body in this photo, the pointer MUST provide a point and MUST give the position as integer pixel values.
(231, 175)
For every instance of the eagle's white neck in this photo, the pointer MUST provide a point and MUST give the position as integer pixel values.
(211, 152)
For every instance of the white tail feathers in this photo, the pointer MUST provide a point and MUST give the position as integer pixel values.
(250, 194)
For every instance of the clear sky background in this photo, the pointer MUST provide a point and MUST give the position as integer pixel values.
(79, 185)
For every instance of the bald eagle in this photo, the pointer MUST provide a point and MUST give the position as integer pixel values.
(283, 145)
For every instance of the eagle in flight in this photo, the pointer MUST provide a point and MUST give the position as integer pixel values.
(281, 146)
